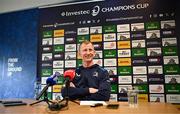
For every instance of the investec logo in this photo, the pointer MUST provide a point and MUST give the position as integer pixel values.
(95, 11)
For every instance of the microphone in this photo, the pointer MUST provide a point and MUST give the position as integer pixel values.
(69, 75)
(52, 80)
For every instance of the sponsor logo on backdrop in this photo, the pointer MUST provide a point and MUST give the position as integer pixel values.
(170, 24)
(138, 35)
(109, 53)
(46, 64)
(111, 70)
(98, 55)
(156, 88)
(168, 33)
(57, 88)
(123, 28)
(46, 56)
(139, 61)
(152, 25)
(139, 70)
(124, 88)
(96, 38)
(59, 40)
(83, 31)
(70, 32)
(172, 79)
(140, 79)
(46, 72)
(124, 53)
(173, 88)
(169, 41)
(96, 30)
(154, 42)
(155, 70)
(98, 61)
(171, 60)
(47, 34)
(157, 98)
(113, 97)
(137, 27)
(58, 33)
(70, 63)
(110, 37)
(124, 61)
(61, 71)
(70, 55)
(59, 56)
(154, 51)
(153, 34)
(109, 62)
(124, 44)
(157, 60)
(43, 80)
(154, 79)
(59, 48)
(47, 41)
(99, 46)
(57, 96)
(70, 40)
(170, 51)
(143, 97)
(123, 36)
(139, 52)
(109, 45)
(125, 70)
(70, 47)
(125, 80)
(171, 69)
(138, 43)
(58, 64)
(173, 98)
(47, 49)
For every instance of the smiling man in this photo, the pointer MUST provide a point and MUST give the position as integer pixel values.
(92, 81)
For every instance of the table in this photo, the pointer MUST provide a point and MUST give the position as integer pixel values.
(73, 108)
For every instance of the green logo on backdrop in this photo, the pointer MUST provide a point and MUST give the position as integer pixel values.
(47, 34)
(171, 69)
(114, 88)
(82, 38)
(79, 62)
(142, 88)
(109, 53)
(152, 25)
(46, 72)
(138, 52)
(173, 88)
(109, 29)
(169, 50)
(59, 48)
(125, 70)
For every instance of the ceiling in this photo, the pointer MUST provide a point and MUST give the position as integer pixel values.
(7, 6)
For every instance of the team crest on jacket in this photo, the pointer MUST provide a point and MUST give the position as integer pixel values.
(95, 74)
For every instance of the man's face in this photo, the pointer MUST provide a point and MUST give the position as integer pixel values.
(87, 52)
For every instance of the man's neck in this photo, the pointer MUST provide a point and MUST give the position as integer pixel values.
(88, 64)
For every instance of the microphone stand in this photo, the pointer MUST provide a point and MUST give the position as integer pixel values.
(66, 98)
(45, 97)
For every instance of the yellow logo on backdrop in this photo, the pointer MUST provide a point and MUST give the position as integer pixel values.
(142, 97)
(96, 38)
(124, 44)
(58, 33)
(57, 88)
(124, 61)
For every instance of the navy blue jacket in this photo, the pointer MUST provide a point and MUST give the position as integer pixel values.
(91, 77)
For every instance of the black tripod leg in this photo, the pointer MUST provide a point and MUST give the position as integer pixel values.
(37, 102)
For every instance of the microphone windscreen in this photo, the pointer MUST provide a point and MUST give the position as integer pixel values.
(69, 74)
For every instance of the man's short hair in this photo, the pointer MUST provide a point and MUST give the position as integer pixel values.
(84, 42)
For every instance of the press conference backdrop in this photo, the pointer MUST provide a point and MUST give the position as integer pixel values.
(136, 41)
(18, 54)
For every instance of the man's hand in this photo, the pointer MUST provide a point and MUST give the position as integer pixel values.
(93, 90)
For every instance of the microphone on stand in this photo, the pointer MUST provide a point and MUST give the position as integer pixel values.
(69, 76)
(52, 80)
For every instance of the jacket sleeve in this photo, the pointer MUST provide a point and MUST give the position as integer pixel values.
(104, 89)
(74, 93)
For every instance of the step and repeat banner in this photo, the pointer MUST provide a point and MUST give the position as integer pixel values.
(135, 40)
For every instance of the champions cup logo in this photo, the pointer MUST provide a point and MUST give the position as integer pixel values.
(95, 10)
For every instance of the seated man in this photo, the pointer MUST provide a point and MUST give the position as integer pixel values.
(91, 82)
